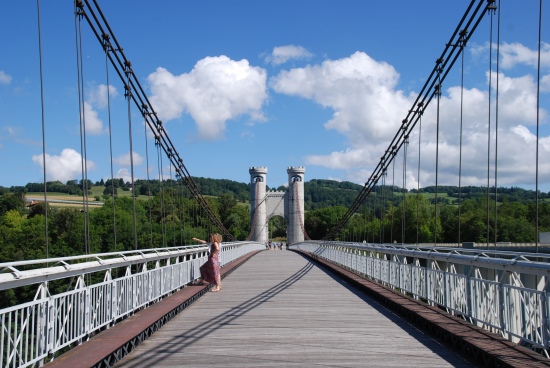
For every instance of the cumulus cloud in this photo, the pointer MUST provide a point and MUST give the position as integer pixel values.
(4, 78)
(514, 54)
(124, 160)
(67, 166)
(360, 90)
(99, 95)
(282, 54)
(97, 98)
(94, 125)
(218, 89)
(124, 174)
(368, 109)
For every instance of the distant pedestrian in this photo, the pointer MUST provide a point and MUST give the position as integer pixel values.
(210, 271)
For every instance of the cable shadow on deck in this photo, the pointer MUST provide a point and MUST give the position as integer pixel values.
(425, 339)
(180, 342)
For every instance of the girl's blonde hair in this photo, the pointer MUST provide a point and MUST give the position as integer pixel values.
(217, 237)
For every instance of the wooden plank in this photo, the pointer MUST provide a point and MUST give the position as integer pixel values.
(94, 351)
(280, 309)
(490, 348)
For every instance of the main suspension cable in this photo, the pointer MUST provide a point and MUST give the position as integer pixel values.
(100, 27)
(470, 21)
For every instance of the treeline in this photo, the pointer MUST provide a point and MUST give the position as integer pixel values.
(513, 194)
(414, 220)
(320, 193)
(167, 219)
(211, 187)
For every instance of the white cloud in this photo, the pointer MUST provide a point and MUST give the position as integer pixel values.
(67, 166)
(4, 78)
(282, 54)
(218, 89)
(124, 160)
(10, 131)
(512, 54)
(361, 92)
(98, 96)
(94, 125)
(124, 174)
(368, 109)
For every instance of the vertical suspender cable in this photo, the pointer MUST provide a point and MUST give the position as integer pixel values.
(181, 214)
(489, 125)
(437, 92)
(161, 187)
(383, 212)
(420, 112)
(404, 215)
(107, 49)
(496, 126)
(149, 193)
(82, 113)
(43, 129)
(392, 197)
(172, 192)
(366, 236)
(537, 239)
(128, 95)
(462, 45)
(374, 217)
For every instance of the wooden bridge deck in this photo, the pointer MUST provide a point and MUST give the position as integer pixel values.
(280, 310)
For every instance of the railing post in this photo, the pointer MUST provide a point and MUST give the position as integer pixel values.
(544, 306)
(42, 341)
(50, 321)
(87, 314)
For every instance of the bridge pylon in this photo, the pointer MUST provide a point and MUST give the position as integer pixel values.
(258, 204)
(289, 204)
(295, 205)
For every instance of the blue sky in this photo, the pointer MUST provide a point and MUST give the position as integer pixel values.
(321, 84)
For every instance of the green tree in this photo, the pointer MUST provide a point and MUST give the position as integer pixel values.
(319, 222)
(11, 201)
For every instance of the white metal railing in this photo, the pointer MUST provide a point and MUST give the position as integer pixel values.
(33, 332)
(505, 292)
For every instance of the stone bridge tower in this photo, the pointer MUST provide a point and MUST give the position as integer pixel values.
(289, 204)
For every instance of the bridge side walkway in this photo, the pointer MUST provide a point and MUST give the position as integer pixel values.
(281, 310)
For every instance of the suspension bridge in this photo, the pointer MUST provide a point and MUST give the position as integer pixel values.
(334, 301)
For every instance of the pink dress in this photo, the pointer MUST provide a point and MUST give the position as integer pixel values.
(210, 271)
